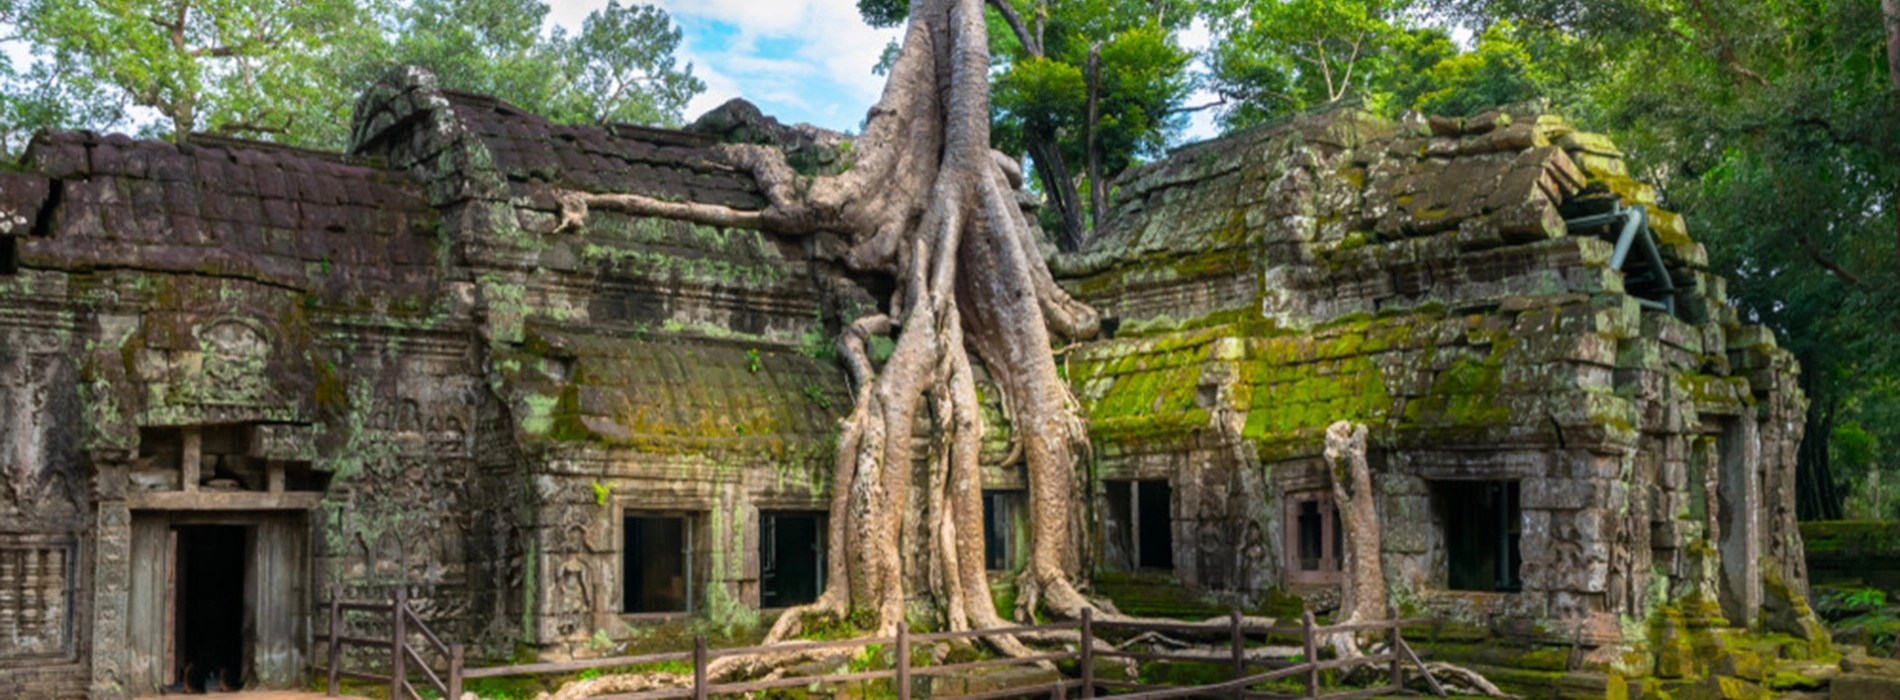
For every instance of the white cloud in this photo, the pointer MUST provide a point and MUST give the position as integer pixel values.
(799, 60)
(1196, 38)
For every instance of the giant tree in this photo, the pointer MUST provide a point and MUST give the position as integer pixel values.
(929, 203)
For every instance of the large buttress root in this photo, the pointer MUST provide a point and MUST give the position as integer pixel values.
(930, 204)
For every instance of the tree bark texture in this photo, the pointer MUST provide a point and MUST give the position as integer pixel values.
(1059, 185)
(1362, 592)
(1098, 188)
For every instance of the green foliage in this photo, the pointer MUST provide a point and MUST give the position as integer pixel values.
(1144, 78)
(619, 68)
(817, 395)
(291, 72)
(1277, 57)
(1770, 126)
(245, 67)
(601, 492)
(1860, 611)
(752, 360)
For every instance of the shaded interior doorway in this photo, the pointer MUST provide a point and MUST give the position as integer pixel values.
(1138, 525)
(1003, 515)
(210, 630)
(1156, 525)
(791, 558)
(1483, 526)
(657, 564)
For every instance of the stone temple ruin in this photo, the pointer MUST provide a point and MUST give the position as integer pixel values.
(235, 375)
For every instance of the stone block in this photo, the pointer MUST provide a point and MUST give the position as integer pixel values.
(1723, 688)
(1864, 686)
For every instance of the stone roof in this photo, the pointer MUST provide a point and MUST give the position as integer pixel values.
(534, 153)
(283, 216)
(661, 396)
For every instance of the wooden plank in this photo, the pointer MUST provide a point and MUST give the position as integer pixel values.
(1429, 679)
(146, 633)
(756, 686)
(1026, 691)
(553, 667)
(999, 631)
(990, 663)
(277, 589)
(801, 646)
(649, 695)
(222, 500)
(1362, 693)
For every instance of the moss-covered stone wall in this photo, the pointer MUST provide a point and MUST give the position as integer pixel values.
(1420, 276)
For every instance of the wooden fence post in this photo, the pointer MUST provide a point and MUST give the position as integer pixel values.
(1312, 655)
(1240, 652)
(699, 667)
(1057, 692)
(336, 646)
(398, 677)
(456, 656)
(1088, 653)
(1392, 641)
(903, 661)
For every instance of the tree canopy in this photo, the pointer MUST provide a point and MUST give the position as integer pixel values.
(290, 71)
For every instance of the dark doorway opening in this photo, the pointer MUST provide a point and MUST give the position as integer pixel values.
(657, 564)
(1483, 525)
(1002, 513)
(211, 630)
(1155, 526)
(791, 558)
(9, 256)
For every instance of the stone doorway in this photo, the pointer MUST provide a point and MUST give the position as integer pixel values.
(217, 600)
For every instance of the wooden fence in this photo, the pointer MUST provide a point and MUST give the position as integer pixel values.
(406, 663)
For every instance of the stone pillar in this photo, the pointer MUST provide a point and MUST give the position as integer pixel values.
(112, 559)
(1739, 491)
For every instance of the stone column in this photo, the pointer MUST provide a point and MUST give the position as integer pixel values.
(1739, 490)
(112, 559)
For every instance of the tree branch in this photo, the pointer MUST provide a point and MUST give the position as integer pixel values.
(1015, 21)
(1821, 259)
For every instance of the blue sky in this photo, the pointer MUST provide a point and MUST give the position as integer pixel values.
(798, 60)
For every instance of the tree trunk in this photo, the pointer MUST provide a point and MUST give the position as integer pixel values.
(1890, 10)
(1098, 190)
(1816, 498)
(1059, 185)
(1362, 594)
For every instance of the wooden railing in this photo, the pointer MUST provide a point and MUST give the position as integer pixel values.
(402, 621)
(406, 662)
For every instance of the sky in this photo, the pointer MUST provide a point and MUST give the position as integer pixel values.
(798, 60)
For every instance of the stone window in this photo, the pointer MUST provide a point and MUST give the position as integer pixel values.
(9, 256)
(1003, 523)
(35, 598)
(1315, 542)
(791, 557)
(657, 563)
(1483, 525)
(1138, 525)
